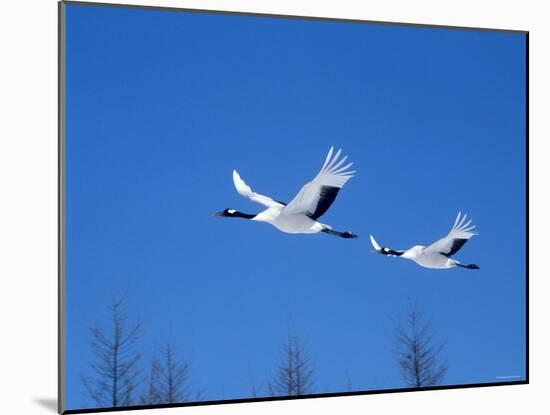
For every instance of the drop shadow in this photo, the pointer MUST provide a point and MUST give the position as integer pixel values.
(48, 403)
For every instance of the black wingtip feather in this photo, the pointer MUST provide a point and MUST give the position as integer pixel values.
(457, 244)
(326, 198)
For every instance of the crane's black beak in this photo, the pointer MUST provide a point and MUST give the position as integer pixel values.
(217, 214)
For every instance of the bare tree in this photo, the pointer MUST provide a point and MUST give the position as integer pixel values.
(295, 373)
(151, 395)
(349, 383)
(253, 387)
(253, 390)
(167, 378)
(116, 372)
(418, 354)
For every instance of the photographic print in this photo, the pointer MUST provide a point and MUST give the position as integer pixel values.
(260, 207)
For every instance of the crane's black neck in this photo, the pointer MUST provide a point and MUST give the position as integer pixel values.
(237, 214)
(388, 251)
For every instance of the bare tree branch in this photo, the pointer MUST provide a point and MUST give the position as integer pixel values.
(295, 373)
(417, 353)
(116, 372)
(168, 377)
(349, 383)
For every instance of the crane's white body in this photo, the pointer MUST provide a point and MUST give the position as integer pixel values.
(438, 254)
(429, 259)
(300, 215)
(290, 223)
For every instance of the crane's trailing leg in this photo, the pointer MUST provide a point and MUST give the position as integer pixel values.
(469, 266)
(346, 235)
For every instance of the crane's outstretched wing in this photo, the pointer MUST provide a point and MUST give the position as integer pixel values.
(244, 190)
(315, 197)
(457, 237)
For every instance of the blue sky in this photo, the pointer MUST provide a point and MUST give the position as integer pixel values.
(161, 106)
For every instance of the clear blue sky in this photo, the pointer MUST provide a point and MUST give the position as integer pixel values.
(161, 106)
